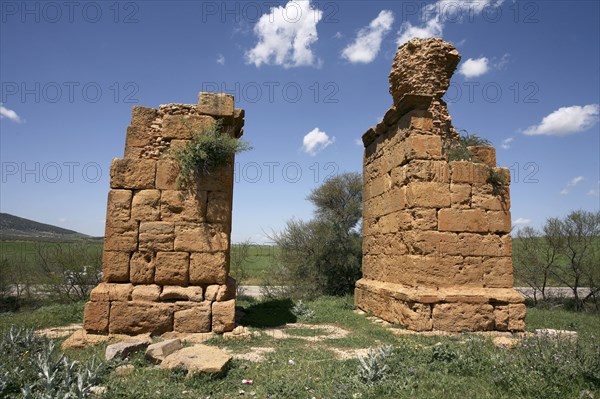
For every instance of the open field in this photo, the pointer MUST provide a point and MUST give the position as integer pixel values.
(319, 359)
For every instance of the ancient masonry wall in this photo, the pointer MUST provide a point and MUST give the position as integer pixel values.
(437, 253)
(166, 251)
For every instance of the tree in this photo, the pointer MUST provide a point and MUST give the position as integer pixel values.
(323, 255)
(535, 258)
(239, 259)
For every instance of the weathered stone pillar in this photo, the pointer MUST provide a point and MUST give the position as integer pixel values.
(437, 254)
(166, 251)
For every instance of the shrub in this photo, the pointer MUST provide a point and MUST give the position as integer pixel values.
(372, 367)
(208, 150)
(458, 150)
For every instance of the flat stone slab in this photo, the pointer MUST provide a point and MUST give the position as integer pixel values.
(160, 350)
(198, 359)
(124, 349)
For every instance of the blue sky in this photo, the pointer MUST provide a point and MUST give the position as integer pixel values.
(312, 76)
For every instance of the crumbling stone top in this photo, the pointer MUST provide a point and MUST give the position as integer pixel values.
(423, 66)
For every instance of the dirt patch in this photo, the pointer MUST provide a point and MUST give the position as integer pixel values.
(58, 332)
(256, 354)
(321, 332)
(349, 353)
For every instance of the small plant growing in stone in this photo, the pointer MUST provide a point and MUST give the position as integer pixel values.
(373, 367)
(459, 151)
(497, 181)
(208, 150)
(302, 311)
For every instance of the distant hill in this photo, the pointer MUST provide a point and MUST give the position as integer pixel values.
(16, 228)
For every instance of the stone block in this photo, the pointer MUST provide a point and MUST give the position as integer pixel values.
(134, 318)
(191, 293)
(120, 236)
(460, 195)
(215, 104)
(485, 198)
(220, 179)
(470, 244)
(146, 292)
(194, 320)
(171, 268)
(485, 154)
(146, 205)
(425, 171)
(95, 316)
(210, 293)
(115, 266)
(111, 292)
(501, 317)
(463, 317)
(156, 236)
(133, 152)
(459, 220)
(499, 221)
(143, 116)
(468, 172)
(428, 195)
(184, 127)
(516, 315)
(118, 206)
(219, 207)
(208, 267)
(141, 268)
(167, 171)
(423, 146)
(122, 350)
(183, 206)
(137, 136)
(223, 316)
(160, 350)
(201, 238)
(132, 173)
(227, 291)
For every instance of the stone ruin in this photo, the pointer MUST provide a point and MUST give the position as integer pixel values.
(437, 254)
(166, 251)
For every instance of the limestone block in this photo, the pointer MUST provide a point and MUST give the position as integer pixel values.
(469, 220)
(132, 173)
(133, 318)
(484, 154)
(428, 195)
(156, 236)
(220, 179)
(111, 292)
(215, 104)
(171, 268)
(194, 320)
(167, 171)
(431, 242)
(120, 236)
(211, 291)
(200, 238)
(191, 293)
(159, 351)
(485, 198)
(516, 314)
(118, 206)
(183, 127)
(133, 152)
(460, 196)
(468, 172)
(115, 266)
(501, 317)
(227, 291)
(122, 350)
(208, 267)
(426, 171)
(146, 205)
(146, 292)
(481, 245)
(141, 268)
(499, 221)
(223, 316)
(463, 317)
(183, 206)
(198, 359)
(219, 207)
(137, 137)
(143, 116)
(95, 316)
(422, 146)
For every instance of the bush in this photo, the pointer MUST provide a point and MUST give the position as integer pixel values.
(208, 150)
(31, 367)
(458, 150)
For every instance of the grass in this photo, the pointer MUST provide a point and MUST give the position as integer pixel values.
(420, 367)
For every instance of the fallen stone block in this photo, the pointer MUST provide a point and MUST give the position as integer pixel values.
(159, 351)
(122, 350)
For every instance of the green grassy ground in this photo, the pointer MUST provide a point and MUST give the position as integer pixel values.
(465, 366)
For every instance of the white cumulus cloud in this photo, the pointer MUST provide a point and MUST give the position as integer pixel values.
(221, 59)
(434, 16)
(9, 114)
(566, 120)
(506, 142)
(316, 141)
(521, 221)
(575, 181)
(285, 36)
(367, 44)
(472, 68)
(564, 191)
